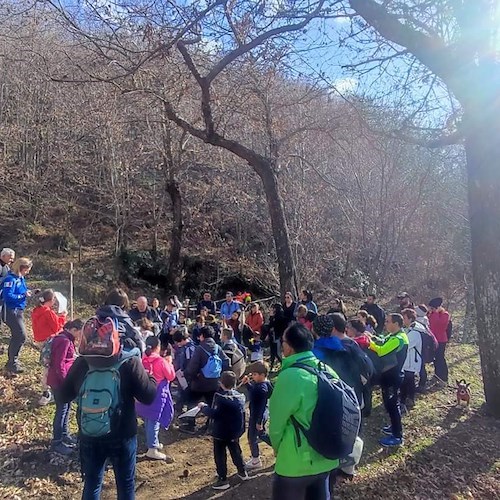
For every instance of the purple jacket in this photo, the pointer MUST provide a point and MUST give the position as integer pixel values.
(62, 357)
(161, 409)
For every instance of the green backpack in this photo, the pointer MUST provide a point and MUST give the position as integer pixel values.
(99, 400)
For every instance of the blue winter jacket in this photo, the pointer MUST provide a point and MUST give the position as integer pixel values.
(14, 291)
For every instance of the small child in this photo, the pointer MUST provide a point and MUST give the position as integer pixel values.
(228, 415)
(145, 328)
(161, 411)
(259, 392)
(256, 350)
(184, 351)
(62, 357)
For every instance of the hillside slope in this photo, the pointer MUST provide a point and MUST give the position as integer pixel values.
(450, 453)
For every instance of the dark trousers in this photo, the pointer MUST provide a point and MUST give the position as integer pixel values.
(254, 435)
(15, 321)
(408, 387)
(390, 396)
(220, 455)
(275, 351)
(315, 487)
(367, 398)
(61, 418)
(121, 453)
(440, 365)
(422, 379)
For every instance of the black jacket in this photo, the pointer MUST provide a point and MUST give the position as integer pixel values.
(129, 334)
(227, 414)
(135, 383)
(378, 313)
(193, 374)
(258, 396)
(209, 304)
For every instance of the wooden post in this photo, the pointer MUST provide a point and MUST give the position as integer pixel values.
(71, 290)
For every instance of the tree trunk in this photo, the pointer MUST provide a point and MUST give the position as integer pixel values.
(482, 147)
(286, 263)
(174, 261)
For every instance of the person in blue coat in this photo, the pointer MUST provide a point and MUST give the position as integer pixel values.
(15, 293)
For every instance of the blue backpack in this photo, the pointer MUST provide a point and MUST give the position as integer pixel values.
(213, 366)
(99, 400)
(336, 418)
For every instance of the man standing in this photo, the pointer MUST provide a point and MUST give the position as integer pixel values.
(371, 307)
(300, 472)
(405, 301)
(206, 302)
(393, 350)
(142, 310)
(228, 307)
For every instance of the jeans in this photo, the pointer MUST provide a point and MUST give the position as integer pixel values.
(121, 453)
(408, 387)
(152, 428)
(220, 454)
(253, 436)
(61, 418)
(440, 365)
(275, 347)
(14, 320)
(390, 396)
(315, 487)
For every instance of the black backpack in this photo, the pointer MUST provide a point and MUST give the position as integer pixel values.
(336, 418)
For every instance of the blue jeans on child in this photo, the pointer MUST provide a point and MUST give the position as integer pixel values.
(254, 435)
(152, 428)
(61, 419)
(121, 453)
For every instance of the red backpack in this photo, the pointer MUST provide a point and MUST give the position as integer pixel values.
(100, 340)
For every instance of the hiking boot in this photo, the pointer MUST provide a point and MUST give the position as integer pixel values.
(62, 449)
(46, 398)
(155, 454)
(391, 441)
(221, 484)
(70, 440)
(14, 369)
(387, 429)
(253, 463)
(243, 475)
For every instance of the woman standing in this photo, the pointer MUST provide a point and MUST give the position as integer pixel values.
(289, 306)
(15, 293)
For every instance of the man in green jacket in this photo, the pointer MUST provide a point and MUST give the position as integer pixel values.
(300, 472)
(392, 349)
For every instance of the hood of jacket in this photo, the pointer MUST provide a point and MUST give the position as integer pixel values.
(419, 327)
(112, 312)
(329, 343)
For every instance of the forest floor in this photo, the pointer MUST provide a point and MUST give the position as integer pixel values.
(449, 453)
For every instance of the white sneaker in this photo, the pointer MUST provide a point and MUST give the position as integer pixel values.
(253, 463)
(154, 454)
(46, 398)
(159, 447)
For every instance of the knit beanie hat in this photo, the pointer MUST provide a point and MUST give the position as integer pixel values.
(323, 325)
(435, 303)
(420, 312)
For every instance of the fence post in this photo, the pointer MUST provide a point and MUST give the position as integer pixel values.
(71, 290)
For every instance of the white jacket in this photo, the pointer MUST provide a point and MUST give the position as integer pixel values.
(413, 361)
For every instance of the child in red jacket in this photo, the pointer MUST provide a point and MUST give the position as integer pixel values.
(46, 323)
(62, 356)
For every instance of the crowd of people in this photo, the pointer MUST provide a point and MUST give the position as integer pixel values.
(167, 364)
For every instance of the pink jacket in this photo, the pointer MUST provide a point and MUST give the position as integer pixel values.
(160, 368)
(438, 321)
(62, 356)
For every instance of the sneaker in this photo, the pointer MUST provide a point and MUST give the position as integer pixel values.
(159, 447)
(389, 441)
(243, 475)
(387, 429)
(62, 449)
(404, 410)
(14, 369)
(155, 454)
(253, 463)
(220, 484)
(46, 398)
